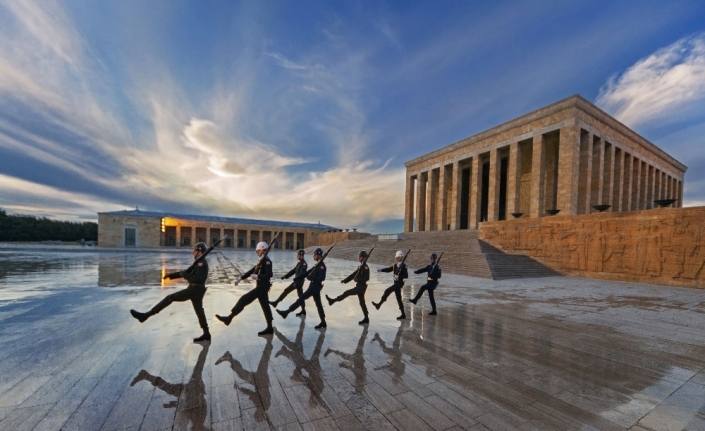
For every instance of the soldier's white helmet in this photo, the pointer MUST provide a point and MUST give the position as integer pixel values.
(262, 245)
(399, 254)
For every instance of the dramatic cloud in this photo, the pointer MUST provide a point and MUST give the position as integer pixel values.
(25, 197)
(664, 85)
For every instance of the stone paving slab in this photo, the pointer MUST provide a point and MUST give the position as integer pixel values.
(556, 353)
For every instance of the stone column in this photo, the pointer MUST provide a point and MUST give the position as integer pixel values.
(208, 236)
(443, 195)
(568, 169)
(475, 192)
(679, 203)
(585, 181)
(636, 183)
(178, 235)
(669, 187)
(662, 185)
(248, 239)
(643, 183)
(409, 204)
(598, 158)
(432, 204)
(493, 204)
(538, 167)
(456, 182)
(513, 178)
(608, 174)
(618, 181)
(421, 201)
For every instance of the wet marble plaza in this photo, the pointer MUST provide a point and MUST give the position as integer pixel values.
(538, 354)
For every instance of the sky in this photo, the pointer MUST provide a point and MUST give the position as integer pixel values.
(306, 111)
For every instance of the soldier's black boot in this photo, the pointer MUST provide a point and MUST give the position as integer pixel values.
(301, 313)
(376, 304)
(321, 325)
(283, 314)
(413, 300)
(225, 319)
(433, 312)
(331, 301)
(139, 316)
(268, 331)
(274, 303)
(363, 321)
(205, 337)
(403, 316)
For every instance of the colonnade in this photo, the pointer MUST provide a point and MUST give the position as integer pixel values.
(242, 237)
(569, 169)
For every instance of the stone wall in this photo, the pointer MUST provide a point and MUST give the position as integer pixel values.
(661, 246)
(111, 230)
(328, 238)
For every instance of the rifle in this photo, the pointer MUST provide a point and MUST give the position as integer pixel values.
(364, 262)
(266, 252)
(177, 274)
(402, 261)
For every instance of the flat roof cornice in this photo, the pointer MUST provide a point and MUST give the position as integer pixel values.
(576, 102)
(274, 223)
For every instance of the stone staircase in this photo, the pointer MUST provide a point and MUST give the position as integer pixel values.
(465, 254)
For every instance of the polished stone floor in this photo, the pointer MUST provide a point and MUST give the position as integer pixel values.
(540, 354)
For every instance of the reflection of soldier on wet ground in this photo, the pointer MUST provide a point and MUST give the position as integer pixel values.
(400, 274)
(299, 269)
(195, 291)
(396, 366)
(259, 379)
(193, 405)
(355, 361)
(294, 351)
(360, 276)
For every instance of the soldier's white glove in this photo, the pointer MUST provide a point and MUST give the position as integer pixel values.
(237, 281)
(379, 269)
(253, 277)
(396, 278)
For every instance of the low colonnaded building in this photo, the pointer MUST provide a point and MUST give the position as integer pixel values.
(137, 228)
(569, 156)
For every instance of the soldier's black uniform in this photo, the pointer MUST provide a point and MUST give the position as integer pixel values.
(195, 291)
(400, 274)
(316, 276)
(361, 276)
(300, 268)
(260, 293)
(434, 273)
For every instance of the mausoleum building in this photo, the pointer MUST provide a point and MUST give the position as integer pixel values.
(568, 157)
(155, 229)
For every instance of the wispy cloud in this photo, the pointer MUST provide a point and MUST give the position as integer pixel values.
(26, 197)
(218, 153)
(664, 85)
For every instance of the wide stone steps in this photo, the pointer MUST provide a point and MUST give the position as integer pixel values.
(465, 254)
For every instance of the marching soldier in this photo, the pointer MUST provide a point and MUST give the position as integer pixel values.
(300, 267)
(433, 274)
(195, 291)
(400, 273)
(316, 276)
(261, 273)
(360, 276)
